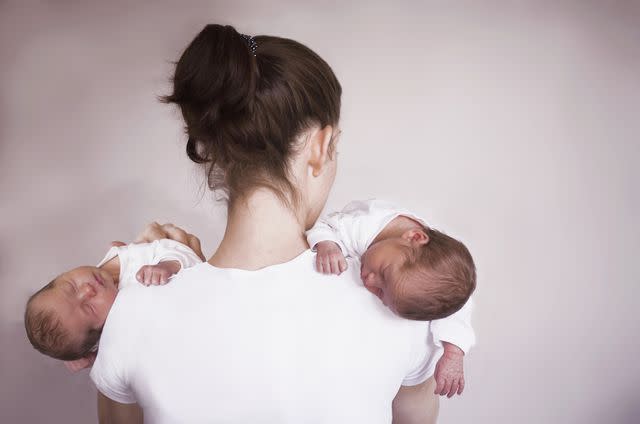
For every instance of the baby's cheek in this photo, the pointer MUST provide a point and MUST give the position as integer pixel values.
(105, 307)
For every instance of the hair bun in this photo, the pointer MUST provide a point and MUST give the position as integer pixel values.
(214, 76)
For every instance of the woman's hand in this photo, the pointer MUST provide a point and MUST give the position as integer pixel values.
(155, 231)
(449, 372)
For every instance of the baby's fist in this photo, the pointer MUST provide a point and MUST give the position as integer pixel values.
(157, 274)
(449, 372)
(329, 258)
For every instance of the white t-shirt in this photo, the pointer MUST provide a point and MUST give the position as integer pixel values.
(134, 256)
(356, 226)
(283, 344)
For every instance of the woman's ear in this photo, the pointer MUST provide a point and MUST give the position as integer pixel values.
(416, 236)
(319, 144)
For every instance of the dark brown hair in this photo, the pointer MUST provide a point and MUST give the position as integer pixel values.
(439, 280)
(244, 112)
(47, 336)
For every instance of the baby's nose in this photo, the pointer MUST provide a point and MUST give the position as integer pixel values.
(87, 290)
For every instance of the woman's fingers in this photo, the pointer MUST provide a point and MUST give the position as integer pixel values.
(151, 232)
(194, 243)
(175, 233)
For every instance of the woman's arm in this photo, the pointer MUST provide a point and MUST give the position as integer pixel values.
(112, 412)
(416, 404)
(155, 231)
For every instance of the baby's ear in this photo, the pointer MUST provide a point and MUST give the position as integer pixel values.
(82, 363)
(416, 236)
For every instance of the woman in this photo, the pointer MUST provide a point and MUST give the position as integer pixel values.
(255, 334)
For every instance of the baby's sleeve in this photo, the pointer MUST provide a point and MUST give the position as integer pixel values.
(455, 329)
(326, 229)
(350, 228)
(171, 250)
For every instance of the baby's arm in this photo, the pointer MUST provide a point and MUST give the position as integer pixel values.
(324, 238)
(339, 235)
(455, 334)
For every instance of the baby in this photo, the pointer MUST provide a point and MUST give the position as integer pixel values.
(416, 271)
(64, 319)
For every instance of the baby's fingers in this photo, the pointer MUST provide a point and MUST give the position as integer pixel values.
(163, 277)
(334, 262)
(440, 382)
(454, 388)
(145, 275)
(335, 266)
(461, 387)
(326, 265)
(446, 388)
(155, 277)
(342, 263)
(319, 264)
(140, 275)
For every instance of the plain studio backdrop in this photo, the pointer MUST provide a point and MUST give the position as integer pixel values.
(513, 126)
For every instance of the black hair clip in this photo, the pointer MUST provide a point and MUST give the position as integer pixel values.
(251, 42)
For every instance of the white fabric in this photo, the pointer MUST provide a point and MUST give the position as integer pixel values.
(356, 226)
(283, 344)
(134, 256)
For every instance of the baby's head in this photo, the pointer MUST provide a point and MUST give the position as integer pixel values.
(422, 275)
(64, 319)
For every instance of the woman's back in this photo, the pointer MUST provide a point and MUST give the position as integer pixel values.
(281, 344)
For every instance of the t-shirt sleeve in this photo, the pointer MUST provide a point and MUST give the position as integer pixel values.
(455, 329)
(327, 229)
(422, 351)
(110, 380)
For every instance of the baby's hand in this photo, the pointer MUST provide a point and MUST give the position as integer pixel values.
(329, 258)
(157, 274)
(449, 372)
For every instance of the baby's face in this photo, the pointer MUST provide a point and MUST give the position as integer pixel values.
(381, 268)
(81, 298)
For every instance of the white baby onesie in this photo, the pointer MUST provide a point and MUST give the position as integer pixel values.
(135, 256)
(356, 226)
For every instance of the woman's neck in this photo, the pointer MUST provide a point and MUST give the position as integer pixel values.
(261, 231)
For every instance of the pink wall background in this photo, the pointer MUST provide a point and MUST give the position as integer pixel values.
(512, 125)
